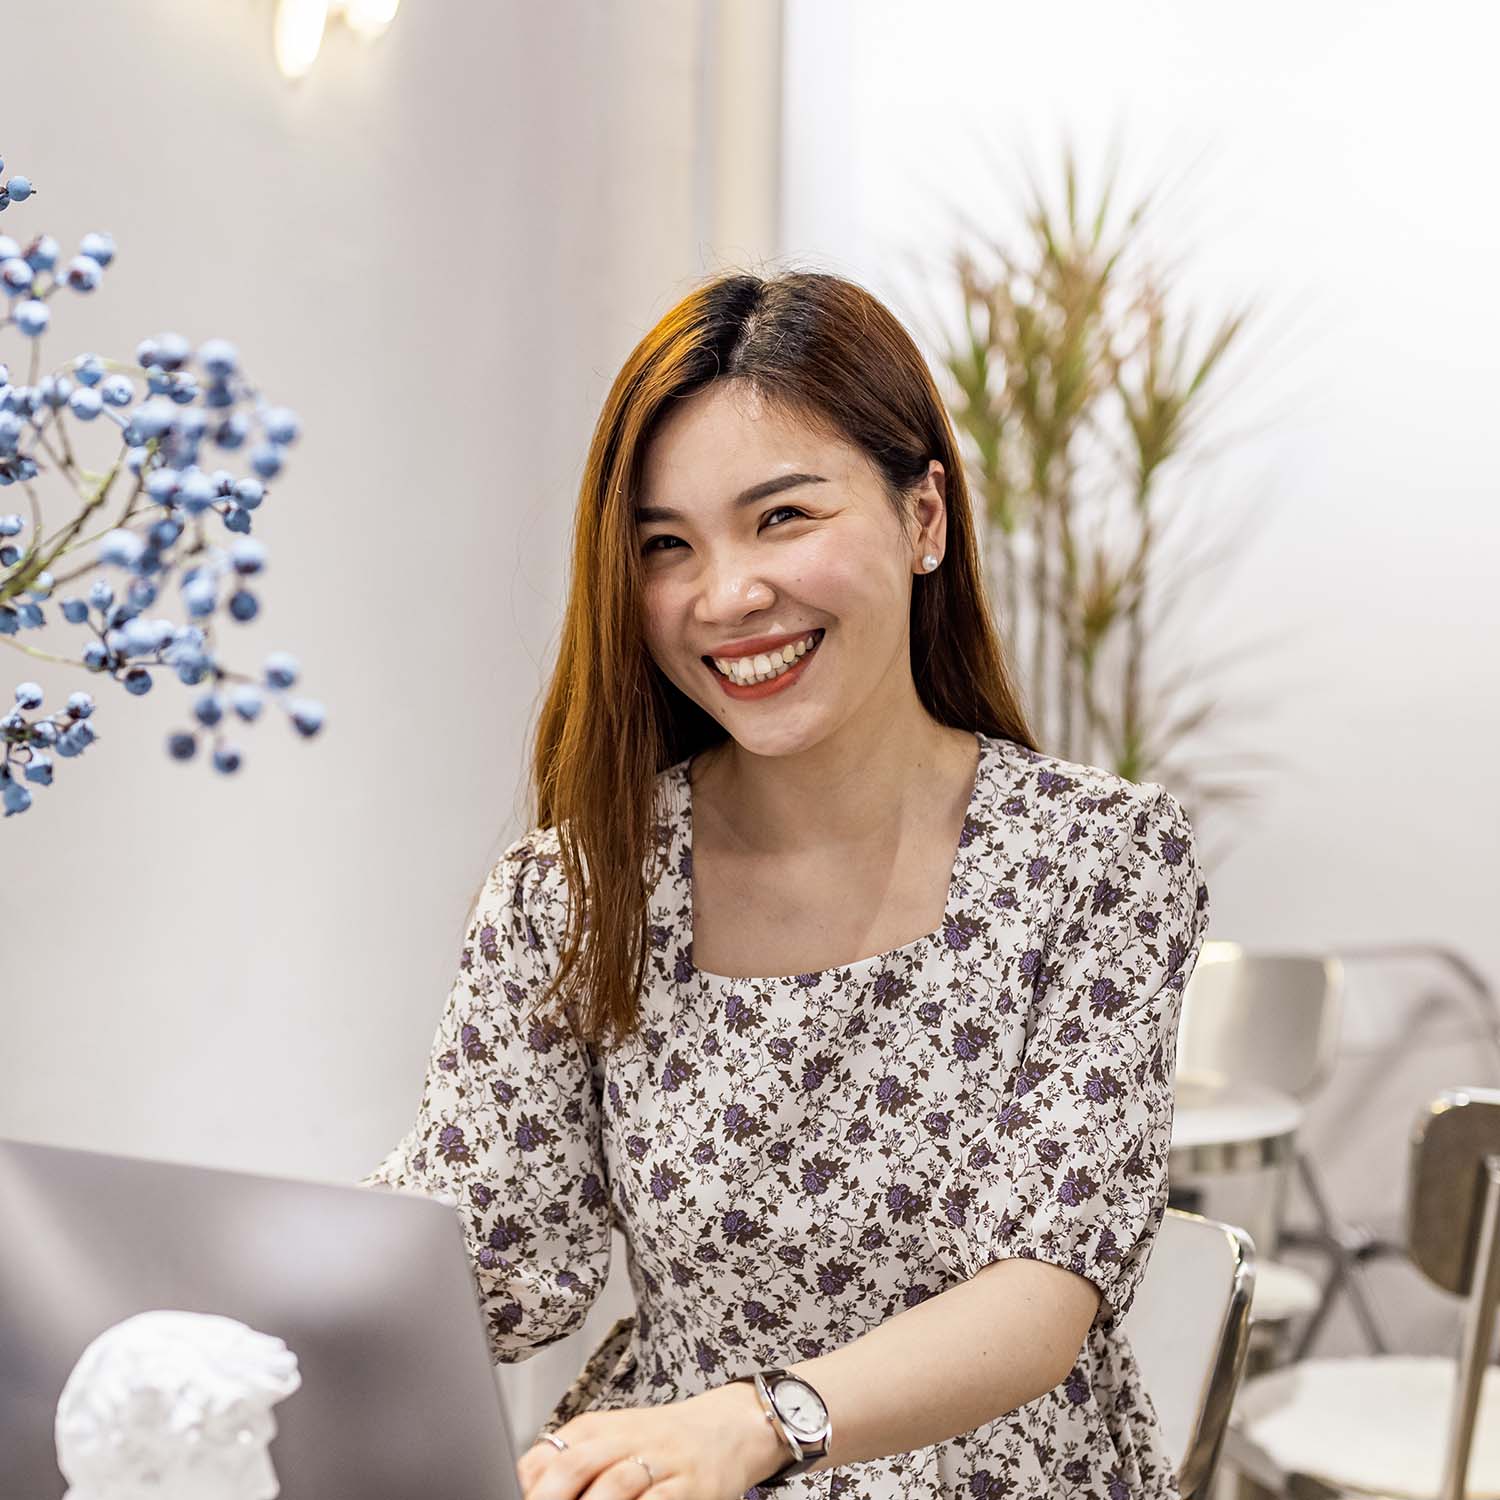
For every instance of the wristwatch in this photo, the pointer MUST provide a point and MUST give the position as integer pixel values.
(798, 1413)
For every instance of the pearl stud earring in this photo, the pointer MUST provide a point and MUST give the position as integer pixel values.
(929, 562)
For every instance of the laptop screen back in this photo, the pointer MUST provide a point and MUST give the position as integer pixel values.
(371, 1290)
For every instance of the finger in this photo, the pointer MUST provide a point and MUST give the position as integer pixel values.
(624, 1479)
(565, 1476)
(535, 1461)
(535, 1457)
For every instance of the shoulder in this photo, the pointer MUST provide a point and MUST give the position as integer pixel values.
(532, 856)
(1053, 792)
(529, 878)
(1112, 852)
(525, 892)
(1072, 810)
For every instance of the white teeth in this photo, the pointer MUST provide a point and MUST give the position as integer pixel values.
(751, 669)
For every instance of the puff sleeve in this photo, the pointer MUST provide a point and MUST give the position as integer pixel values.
(1072, 1166)
(508, 1128)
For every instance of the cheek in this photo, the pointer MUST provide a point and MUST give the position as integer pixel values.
(657, 612)
(833, 573)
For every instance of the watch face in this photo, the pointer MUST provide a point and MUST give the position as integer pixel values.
(800, 1406)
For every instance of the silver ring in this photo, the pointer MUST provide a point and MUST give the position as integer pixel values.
(636, 1458)
(557, 1442)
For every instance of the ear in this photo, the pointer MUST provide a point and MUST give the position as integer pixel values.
(930, 506)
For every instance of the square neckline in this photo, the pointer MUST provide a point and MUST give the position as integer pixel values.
(961, 856)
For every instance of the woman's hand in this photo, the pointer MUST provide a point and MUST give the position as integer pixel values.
(714, 1446)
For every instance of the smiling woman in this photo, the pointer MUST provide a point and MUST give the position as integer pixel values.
(863, 1008)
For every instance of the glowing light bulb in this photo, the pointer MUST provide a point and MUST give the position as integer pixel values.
(300, 26)
(298, 34)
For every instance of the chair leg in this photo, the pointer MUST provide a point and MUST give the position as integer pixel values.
(1347, 1274)
(1346, 1252)
(1358, 1289)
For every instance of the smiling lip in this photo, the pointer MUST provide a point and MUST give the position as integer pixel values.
(785, 681)
(759, 645)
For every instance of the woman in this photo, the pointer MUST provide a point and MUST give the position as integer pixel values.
(864, 1025)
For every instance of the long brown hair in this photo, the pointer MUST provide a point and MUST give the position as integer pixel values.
(816, 348)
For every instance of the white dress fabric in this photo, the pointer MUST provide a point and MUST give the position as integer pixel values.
(793, 1160)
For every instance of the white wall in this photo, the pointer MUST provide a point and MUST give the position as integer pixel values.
(437, 250)
(1335, 163)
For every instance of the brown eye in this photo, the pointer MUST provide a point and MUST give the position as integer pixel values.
(650, 544)
(791, 508)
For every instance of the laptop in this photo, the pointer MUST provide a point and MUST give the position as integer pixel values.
(371, 1290)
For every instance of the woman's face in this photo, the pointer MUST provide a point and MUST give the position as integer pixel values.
(826, 553)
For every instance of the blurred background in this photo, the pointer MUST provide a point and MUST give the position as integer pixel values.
(437, 247)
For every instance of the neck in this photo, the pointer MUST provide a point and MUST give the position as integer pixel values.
(851, 792)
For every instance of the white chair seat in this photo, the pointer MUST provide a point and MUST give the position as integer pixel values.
(1282, 1292)
(1375, 1425)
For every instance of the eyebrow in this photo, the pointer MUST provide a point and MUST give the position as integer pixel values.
(745, 497)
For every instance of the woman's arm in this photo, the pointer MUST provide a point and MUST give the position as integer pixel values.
(948, 1365)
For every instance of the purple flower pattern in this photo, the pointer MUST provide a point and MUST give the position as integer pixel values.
(794, 1159)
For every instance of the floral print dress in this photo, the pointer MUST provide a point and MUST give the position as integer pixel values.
(794, 1159)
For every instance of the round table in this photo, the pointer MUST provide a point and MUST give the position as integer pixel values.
(1220, 1125)
(1232, 1143)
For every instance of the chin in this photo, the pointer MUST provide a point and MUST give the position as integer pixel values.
(798, 732)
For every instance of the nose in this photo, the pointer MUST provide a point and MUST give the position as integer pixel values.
(729, 589)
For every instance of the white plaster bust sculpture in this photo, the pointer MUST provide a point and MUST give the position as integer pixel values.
(174, 1406)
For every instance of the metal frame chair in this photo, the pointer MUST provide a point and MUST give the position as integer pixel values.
(1453, 1231)
(1189, 1328)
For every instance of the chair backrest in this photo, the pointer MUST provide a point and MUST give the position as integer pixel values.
(1264, 1018)
(1189, 1327)
(1453, 1233)
(1450, 1142)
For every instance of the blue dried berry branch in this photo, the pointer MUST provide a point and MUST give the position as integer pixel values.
(160, 530)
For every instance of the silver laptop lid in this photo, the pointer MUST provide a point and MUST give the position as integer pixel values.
(371, 1290)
